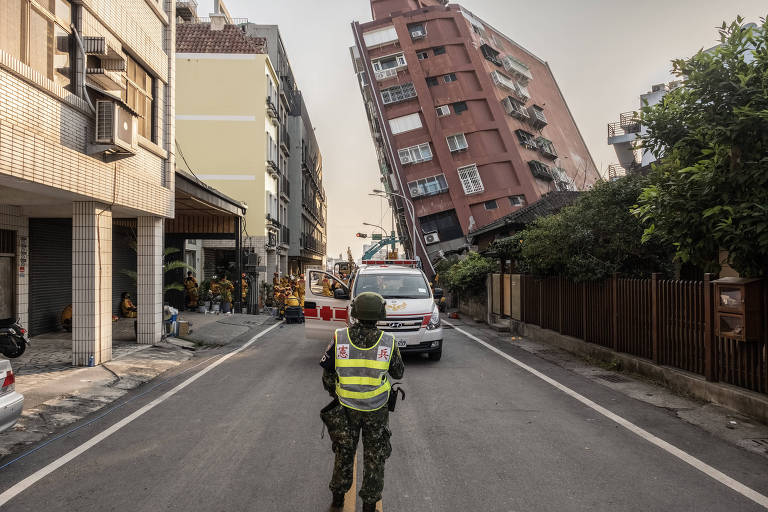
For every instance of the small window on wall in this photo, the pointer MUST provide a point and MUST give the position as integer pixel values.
(422, 55)
(457, 142)
(138, 95)
(432, 81)
(438, 50)
(450, 77)
(490, 205)
(459, 107)
(470, 179)
(443, 111)
(518, 200)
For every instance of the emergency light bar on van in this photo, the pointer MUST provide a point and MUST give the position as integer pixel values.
(407, 263)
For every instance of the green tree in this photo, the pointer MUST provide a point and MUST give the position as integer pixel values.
(590, 240)
(709, 190)
(467, 276)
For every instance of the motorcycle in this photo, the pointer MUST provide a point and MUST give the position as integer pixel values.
(13, 338)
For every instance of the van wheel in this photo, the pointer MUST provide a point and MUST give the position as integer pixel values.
(436, 355)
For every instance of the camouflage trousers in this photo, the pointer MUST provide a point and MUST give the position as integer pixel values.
(376, 450)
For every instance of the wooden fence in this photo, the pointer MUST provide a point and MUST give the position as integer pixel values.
(668, 322)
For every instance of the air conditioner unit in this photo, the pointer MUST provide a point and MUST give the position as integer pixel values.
(431, 238)
(443, 111)
(116, 128)
(659, 88)
(418, 34)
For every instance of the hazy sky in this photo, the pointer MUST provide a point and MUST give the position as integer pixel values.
(604, 54)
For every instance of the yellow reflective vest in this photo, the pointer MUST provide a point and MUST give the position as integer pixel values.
(363, 382)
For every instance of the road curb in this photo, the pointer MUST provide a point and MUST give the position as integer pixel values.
(740, 400)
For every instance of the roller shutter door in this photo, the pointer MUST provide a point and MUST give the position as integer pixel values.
(50, 272)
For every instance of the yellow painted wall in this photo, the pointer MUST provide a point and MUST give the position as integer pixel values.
(226, 85)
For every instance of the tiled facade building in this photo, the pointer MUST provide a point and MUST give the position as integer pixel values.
(469, 126)
(86, 143)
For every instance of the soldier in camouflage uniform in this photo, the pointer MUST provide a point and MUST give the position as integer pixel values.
(370, 415)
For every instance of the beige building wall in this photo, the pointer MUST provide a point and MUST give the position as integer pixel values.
(221, 126)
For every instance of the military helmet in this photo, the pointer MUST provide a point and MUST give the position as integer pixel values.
(369, 306)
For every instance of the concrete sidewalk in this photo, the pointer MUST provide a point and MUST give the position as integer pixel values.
(219, 329)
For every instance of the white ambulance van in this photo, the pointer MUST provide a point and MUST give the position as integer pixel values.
(412, 315)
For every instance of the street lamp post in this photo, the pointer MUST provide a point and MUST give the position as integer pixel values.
(412, 211)
(383, 230)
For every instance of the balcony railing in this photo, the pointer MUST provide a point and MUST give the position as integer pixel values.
(629, 122)
(285, 142)
(517, 68)
(388, 73)
(537, 118)
(519, 90)
(271, 108)
(273, 168)
(619, 170)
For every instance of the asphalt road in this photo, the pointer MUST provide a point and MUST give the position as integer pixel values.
(476, 433)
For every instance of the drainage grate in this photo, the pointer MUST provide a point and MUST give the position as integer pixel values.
(612, 377)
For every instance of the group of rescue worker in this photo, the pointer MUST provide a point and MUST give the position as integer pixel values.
(288, 291)
(222, 287)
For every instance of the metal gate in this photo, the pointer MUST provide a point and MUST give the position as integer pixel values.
(50, 272)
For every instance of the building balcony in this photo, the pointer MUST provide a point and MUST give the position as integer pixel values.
(627, 128)
(515, 108)
(517, 69)
(537, 119)
(272, 110)
(272, 222)
(616, 171)
(546, 148)
(386, 74)
(187, 10)
(517, 89)
(273, 169)
(285, 142)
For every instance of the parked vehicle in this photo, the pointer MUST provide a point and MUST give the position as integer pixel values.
(13, 338)
(11, 402)
(413, 316)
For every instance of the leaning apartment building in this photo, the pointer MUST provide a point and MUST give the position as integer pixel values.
(468, 125)
(86, 163)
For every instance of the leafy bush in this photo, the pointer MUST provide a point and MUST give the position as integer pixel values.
(468, 276)
(590, 240)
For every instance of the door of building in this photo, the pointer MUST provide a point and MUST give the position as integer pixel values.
(7, 288)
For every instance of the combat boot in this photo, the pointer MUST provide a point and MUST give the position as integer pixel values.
(338, 500)
(369, 507)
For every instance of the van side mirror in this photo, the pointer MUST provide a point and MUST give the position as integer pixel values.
(438, 293)
(341, 294)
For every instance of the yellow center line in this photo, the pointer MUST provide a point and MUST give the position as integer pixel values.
(350, 499)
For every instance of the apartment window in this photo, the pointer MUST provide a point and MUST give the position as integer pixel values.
(546, 147)
(443, 111)
(459, 107)
(445, 223)
(490, 205)
(515, 107)
(540, 170)
(398, 93)
(432, 81)
(405, 123)
(518, 200)
(428, 186)
(470, 179)
(138, 96)
(390, 62)
(457, 142)
(417, 30)
(526, 139)
(422, 55)
(490, 54)
(415, 154)
(438, 50)
(450, 77)
(38, 34)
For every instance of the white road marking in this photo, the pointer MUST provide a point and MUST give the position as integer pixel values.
(53, 466)
(705, 468)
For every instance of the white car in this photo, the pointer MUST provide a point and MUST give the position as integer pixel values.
(11, 402)
(412, 315)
